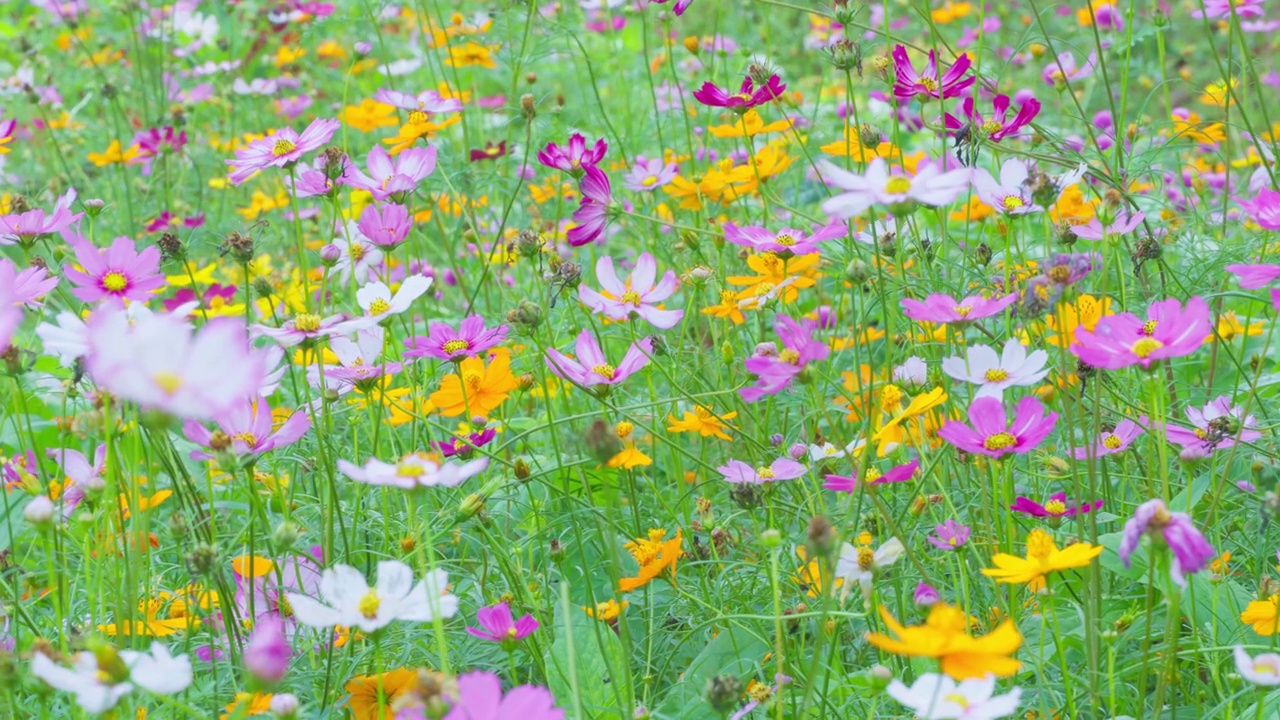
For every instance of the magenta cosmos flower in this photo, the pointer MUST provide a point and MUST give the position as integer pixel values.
(10, 317)
(249, 428)
(678, 8)
(1253, 277)
(1055, 506)
(280, 149)
(775, 370)
(1191, 552)
(748, 96)
(618, 300)
(1121, 340)
(385, 226)
(574, 158)
(480, 697)
(929, 186)
(161, 363)
(497, 625)
(307, 327)
(908, 83)
(444, 343)
(1263, 209)
(394, 178)
(1116, 441)
(267, 651)
(1217, 425)
(412, 471)
(784, 468)
(993, 373)
(989, 435)
(848, 483)
(120, 272)
(591, 368)
(1224, 8)
(798, 242)
(939, 308)
(428, 101)
(593, 212)
(999, 125)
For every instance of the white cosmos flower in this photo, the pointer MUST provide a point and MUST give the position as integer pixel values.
(376, 299)
(938, 697)
(1262, 669)
(352, 602)
(97, 689)
(996, 372)
(157, 670)
(859, 564)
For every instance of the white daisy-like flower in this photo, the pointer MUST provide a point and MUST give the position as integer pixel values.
(352, 602)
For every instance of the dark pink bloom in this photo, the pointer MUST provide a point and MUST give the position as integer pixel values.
(282, 148)
(1219, 424)
(908, 83)
(1264, 209)
(385, 226)
(576, 157)
(120, 272)
(847, 484)
(620, 300)
(679, 7)
(939, 308)
(999, 126)
(463, 446)
(428, 101)
(497, 625)
(1253, 277)
(1122, 340)
(774, 371)
(248, 424)
(489, 152)
(1110, 443)
(267, 652)
(1224, 8)
(593, 211)
(739, 472)
(167, 220)
(1191, 552)
(213, 295)
(1056, 506)
(591, 368)
(444, 343)
(151, 143)
(798, 242)
(748, 96)
(27, 287)
(989, 435)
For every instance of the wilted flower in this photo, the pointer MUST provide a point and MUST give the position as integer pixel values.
(1191, 552)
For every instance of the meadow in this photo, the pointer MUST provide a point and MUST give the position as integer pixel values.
(628, 359)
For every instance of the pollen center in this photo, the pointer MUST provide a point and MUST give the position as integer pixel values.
(996, 375)
(1039, 544)
(605, 371)
(898, 185)
(1111, 442)
(765, 473)
(168, 381)
(650, 181)
(247, 438)
(114, 281)
(866, 557)
(631, 297)
(789, 356)
(307, 322)
(785, 240)
(962, 310)
(417, 117)
(990, 126)
(929, 83)
(1000, 441)
(1013, 202)
(473, 382)
(379, 306)
(1149, 328)
(369, 604)
(1055, 507)
(1144, 347)
(283, 147)
(456, 346)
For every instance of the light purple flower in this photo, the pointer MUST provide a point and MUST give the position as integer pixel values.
(910, 84)
(81, 476)
(1218, 425)
(307, 327)
(1224, 8)
(249, 426)
(1253, 277)
(444, 343)
(989, 435)
(1261, 669)
(774, 372)
(267, 651)
(26, 227)
(394, 178)
(1064, 69)
(280, 149)
(1110, 443)
(930, 186)
(798, 242)
(26, 287)
(649, 175)
(1122, 339)
(1191, 551)
(480, 697)
(574, 158)
(1119, 225)
(784, 468)
(591, 368)
(950, 535)
(428, 101)
(413, 471)
(497, 625)
(1010, 194)
(1263, 209)
(387, 226)
(993, 373)
(925, 595)
(618, 300)
(939, 308)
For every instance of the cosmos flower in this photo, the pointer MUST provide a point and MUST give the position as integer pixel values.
(938, 697)
(999, 125)
(944, 637)
(1218, 425)
(480, 697)
(929, 186)
(1225, 8)
(385, 226)
(1119, 225)
(1261, 669)
(1253, 277)
(1191, 552)
(1263, 209)
(26, 287)
(748, 96)
(476, 388)
(444, 343)
(267, 651)
(1011, 194)
(280, 149)
(798, 242)
(618, 300)
(899, 473)
(394, 178)
(859, 564)
(1115, 441)
(307, 327)
(775, 371)
(591, 368)
(10, 318)
(1055, 507)
(760, 693)
(413, 471)
(1121, 340)
(655, 556)
(99, 680)
(939, 308)
(488, 152)
(679, 7)
(465, 445)
(574, 158)
(350, 601)
(649, 175)
(993, 373)
(950, 535)
(376, 300)
(427, 101)
(909, 83)
(1263, 616)
(784, 468)
(26, 227)
(357, 255)
(120, 272)
(497, 625)
(246, 428)
(989, 435)
(593, 211)
(81, 476)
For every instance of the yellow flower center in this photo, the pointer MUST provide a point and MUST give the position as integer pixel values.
(247, 438)
(789, 356)
(743, 96)
(307, 322)
(890, 398)
(866, 557)
(930, 84)
(872, 475)
(457, 346)
(1144, 347)
(410, 469)
(996, 375)
(650, 181)
(957, 699)
(999, 441)
(785, 240)
(417, 117)
(1111, 442)
(605, 371)
(473, 381)
(726, 296)
(286, 610)
(283, 147)
(898, 185)
(1013, 202)
(1040, 545)
(1055, 507)
(114, 281)
(962, 310)
(1149, 328)
(765, 473)
(990, 126)
(759, 692)
(1264, 669)
(369, 604)
(169, 382)
(625, 429)
(379, 306)
(356, 251)
(631, 297)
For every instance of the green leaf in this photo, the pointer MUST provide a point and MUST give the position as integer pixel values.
(735, 651)
(599, 666)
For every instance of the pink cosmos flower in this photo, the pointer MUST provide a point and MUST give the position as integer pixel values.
(999, 126)
(120, 272)
(784, 468)
(775, 369)
(464, 446)
(1120, 225)
(395, 178)
(649, 175)
(993, 373)
(1110, 443)
(798, 242)
(155, 141)
(591, 368)
(1055, 507)
(637, 296)
(282, 148)
(1010, 195)
(989, 435)
(444, 343)
(357, 254)
(25, 228)
(413, 471)
(1122, 340)
(1191, 551)
(480, 697)
(929, 186)
(267, 651)
(26, 287)
(249, 426)
(908, 83)
(387, 226)
(1223, 8)
(593, 211)
(678, 8)
(307, 327)
(849, 483)
(1251, 277)
(162, 364)
(1064, 69)
(81, 476)
(1217, 425)
(1263, 209)
(497, 625)
(747, 97)
(359, 363)
(950, 535)
(576, 157)
(428, 101)
(939, 308)
(264, 596)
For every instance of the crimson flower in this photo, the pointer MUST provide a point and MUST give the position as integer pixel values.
(748, 96)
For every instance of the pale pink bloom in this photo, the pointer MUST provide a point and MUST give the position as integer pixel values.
(939, 308)
(784, 468)
(1120, 225)
(412, 471)
(1253, 277)
(1110, 443)
(352, 602)
(394, 178)
(358, 255)
(26, 227)
(428, 101)
(1010, 194)
(119, 272)
(591, 368)
(249, 425)
(80, 474)
(385, 226)
(1261, 669)
(639, 295)
(281, 149)
(358, 366)
(306, 327)
(1224, 8)
(377, 301)
(929, 186)
(25, 287)
(993, 373)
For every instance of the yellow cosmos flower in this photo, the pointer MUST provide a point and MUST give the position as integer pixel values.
(703, 421)
(749, 125)
(1263, 616)
(369, 115)
(1043, 557)
(471, 53)
(944, 636)
(655, 555)
(114, 155)
(1230, 328)
(485, 387)
(1085, 312)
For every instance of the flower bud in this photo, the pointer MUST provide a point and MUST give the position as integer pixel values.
(470, 506)
(771, 538)
(723, 692)
(93, 207)
(285, 537)
(284, 705)
(39, 511)
(521, 469)
(202, 559)
(330, 255)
